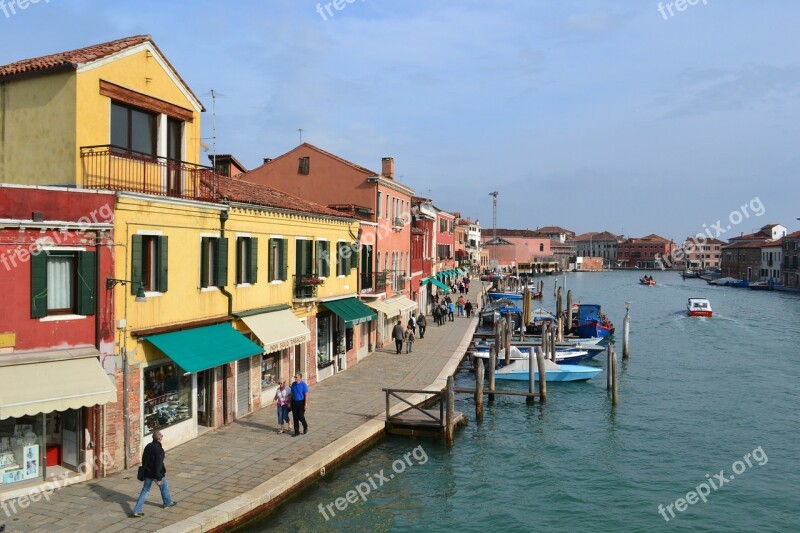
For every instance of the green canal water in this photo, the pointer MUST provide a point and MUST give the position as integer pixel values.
(696, 397)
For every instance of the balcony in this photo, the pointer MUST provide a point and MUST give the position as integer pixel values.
(397, 223)
(305, 286)
(117, 169)
(373, 283)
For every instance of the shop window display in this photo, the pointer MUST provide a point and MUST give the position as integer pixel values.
(20, 458)
(167, 397)
(270, 369)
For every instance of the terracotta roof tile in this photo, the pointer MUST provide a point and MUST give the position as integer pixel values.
(71, 59)
(246, 192)
(552, 230)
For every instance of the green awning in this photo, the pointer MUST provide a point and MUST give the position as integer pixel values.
(439, 284)
(199, 349)
(351, 310)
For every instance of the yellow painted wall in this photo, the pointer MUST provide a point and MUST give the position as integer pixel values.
(37, 130)
(44, 120)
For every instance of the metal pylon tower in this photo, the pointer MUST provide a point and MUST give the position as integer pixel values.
(494, 194)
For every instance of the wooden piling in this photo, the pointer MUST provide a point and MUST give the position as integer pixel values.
(626, 330)
(492, 364)
(509, 331)
(569, 311)
(542, 375)
(531, 372)
(555, 287)
(609, 347)
(450, 431)
(615, 379)
(553, 336)
(479, 370)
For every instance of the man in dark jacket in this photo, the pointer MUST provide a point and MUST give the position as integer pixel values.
(397, 335)
(154, 470)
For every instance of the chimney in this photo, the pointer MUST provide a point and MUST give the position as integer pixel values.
(387, 167)
(267, 160)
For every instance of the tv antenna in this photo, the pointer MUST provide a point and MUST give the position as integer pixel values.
(214, 95)
(301, 134)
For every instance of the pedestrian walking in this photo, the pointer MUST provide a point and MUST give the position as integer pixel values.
(283, 398)
(299, 403)
(422, 324)
(409, 337)
(452, 311)
(397, 335)
(412, 323)
(468, 309)
(153, 470)
(460, 302)
(437, 314)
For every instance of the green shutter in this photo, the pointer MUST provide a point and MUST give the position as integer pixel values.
(163, 265)
(87, 283)
(354, 256)
(324, 258)
(136, 263)
(284, 259)
(39, 285)
(253, 270)
(239, 258)
(222, 262)
(204, 282)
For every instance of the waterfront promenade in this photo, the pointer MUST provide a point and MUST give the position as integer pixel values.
(228, 472)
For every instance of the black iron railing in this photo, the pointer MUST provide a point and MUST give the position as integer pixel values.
(305, 285)
(118, 169)
(373, 282)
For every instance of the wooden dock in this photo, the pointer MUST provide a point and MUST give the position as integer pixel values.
(420, 419)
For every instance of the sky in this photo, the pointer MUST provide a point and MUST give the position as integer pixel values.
(630, 116)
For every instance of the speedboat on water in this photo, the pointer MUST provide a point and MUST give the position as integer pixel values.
(699, 307)
(563, 355)
(518, 370)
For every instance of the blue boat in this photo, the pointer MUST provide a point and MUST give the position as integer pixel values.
(591, 322)
(518, 370)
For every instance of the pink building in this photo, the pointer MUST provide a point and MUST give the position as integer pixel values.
(514, 246)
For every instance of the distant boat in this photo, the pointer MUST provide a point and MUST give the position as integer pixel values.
(699, 307)
(518, 370)
(726, 282)
(645, 281)
(689, 273)
(566, 355)
(763, 285)
(591, 322)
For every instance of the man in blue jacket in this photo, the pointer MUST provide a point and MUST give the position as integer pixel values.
(154, 470)
(299, 404)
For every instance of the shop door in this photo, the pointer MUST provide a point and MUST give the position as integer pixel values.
(243, 387)
(205, 398)
(71, 438)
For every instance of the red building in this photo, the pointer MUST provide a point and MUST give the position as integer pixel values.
(644, 252)
(422, 247)
(445, 229)
(58, 373)
(514, 246)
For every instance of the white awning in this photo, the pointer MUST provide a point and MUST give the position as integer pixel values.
(43, 387)
(278, 330)
(402, 304)
(383, 307)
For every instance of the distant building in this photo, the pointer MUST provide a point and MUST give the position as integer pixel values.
(771, 258)
(771, 232)
(598, 244)
(644, 252)
(702, 254)
(513, 246)
(742, 260)
(791, 260)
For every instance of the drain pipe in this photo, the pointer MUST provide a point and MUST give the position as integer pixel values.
(223, 217)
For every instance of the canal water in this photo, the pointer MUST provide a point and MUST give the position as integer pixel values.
(697, 397)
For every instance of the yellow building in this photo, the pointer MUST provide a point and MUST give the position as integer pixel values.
(221, 287)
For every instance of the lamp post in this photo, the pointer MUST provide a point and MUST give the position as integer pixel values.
(140, 298)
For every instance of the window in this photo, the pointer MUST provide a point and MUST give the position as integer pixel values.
(278, 259)
(167, 397)
(387, 206)
(63, 283)
(541, 247)
(149, 263)
(133, 129)
(379, 205)
(213, 262)
(323, 259)
(270, 369)
(246, 260)
(346, 258)
(304, 165)
(304, 257)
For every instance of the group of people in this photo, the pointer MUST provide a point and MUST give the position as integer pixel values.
(447, 309)
(461, 286)
(408, 335)
(295, 399)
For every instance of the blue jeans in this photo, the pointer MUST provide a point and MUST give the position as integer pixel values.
(165, 496)
(283, 414)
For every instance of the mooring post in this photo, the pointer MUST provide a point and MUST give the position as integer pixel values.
(541, 287)
(553, 344)
(387, 406)
(479, 390)
(492, 364)
(615, 388)
(609, 347)
(569, 311)
(451, 411)
(542, 375)
(531, 372)
(626, 330)
(555, 287)
(507, 339)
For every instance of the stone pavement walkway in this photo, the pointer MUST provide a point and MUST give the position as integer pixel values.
(223, 472)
